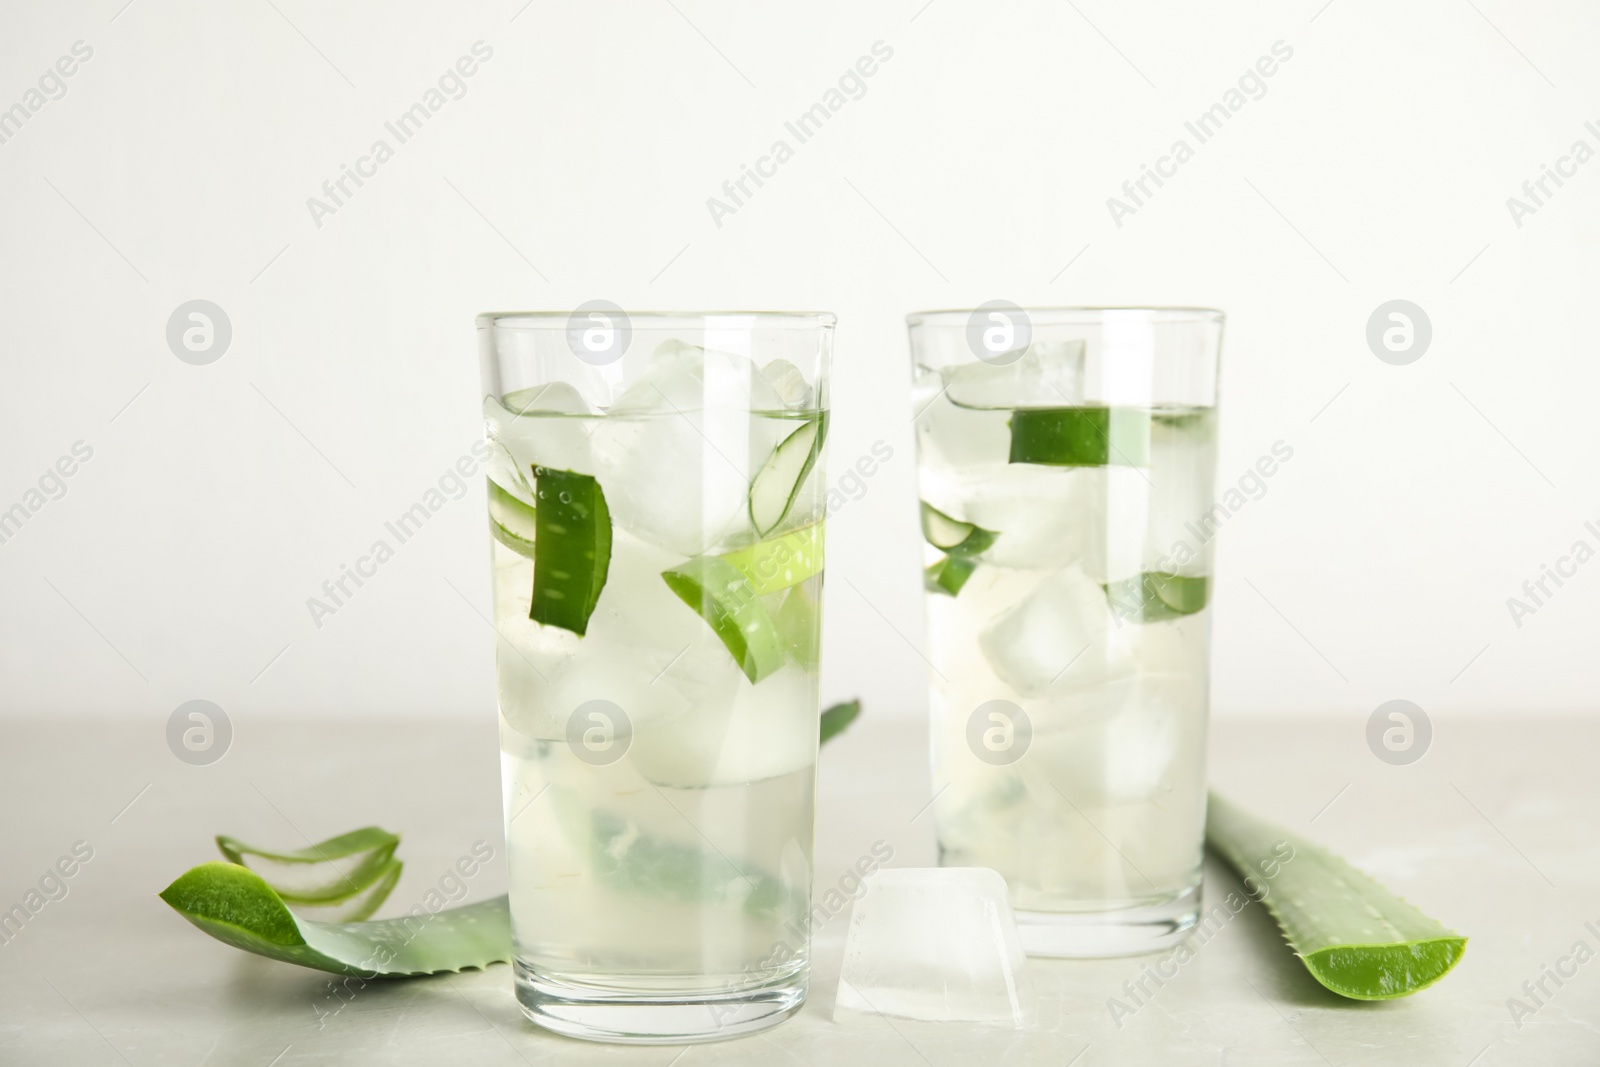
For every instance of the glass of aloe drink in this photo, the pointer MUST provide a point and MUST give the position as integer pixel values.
(656, 505)
(1065, 464)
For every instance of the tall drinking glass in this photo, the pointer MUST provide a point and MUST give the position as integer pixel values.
(1066, 459)
(656, 506)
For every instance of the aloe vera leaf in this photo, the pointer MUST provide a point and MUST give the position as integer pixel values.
(779, 562)
(328, 872)
(1081, 437)
(512, 522)
(720, 595)
(625, 860)
(948, 575)
(571, 549)
(1153, 596)
(778, 482)
(1353, 935)
(357, 906)
(798, 625)
(234, 905)
(837, 718)
(953, 536)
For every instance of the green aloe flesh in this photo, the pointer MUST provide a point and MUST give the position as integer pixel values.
(779, 562)
(719, 594)
(838, 718)
(948, 575)
(329, 872)
(797, 623)
(960, 541)
(1081, 437)
(512, 522)
(778, 482)
(1353, 935)
(1155, 596)
(571, 549)
(234, 905)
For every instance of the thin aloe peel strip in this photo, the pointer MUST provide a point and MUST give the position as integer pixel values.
(960, 541)
(328, 872)
(720, 595)
(234, 905)
(1154, 596)
(778, 482)
(1353, 935)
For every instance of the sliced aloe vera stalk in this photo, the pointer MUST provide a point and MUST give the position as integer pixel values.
(777, 483)
(328, 872)
(953, 535)
(797, 623)
(359, 905)
(1081, 437)
(512, 522)
(234, 905)
(948, 575)
(1154, 595)
(779, 562)
(572, 549)
(719, 594)
(837, 718)
(1353, 935)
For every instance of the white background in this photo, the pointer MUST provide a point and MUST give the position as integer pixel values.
(977, 166)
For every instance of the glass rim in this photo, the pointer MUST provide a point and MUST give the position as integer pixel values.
(548, 320)
(1172, 314)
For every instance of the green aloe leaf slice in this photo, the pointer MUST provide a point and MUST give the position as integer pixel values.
(328, 872)
(1155, 595)
(837, 718)
(234, 905)
(1353, 935)
(952, 535)
(571, 549)
(797, 620)
(777, 483)
(512, 522)
(1081, 437)
(948, 575)
(779, 562)
(719, 594)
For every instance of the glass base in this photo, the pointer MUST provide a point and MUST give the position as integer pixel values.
(1124, 932)
(636, 1016)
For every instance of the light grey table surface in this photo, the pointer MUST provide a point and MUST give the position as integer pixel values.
(1496, 831)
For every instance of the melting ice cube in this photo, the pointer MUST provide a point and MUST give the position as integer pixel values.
(1062, 633)
(935, 943)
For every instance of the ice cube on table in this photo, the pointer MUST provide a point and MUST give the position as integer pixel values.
(678, 449)
(1048, 374)
(936, 943)
(1062, 634)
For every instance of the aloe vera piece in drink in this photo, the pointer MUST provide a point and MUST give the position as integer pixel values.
(779, 562)
(235, 906)
(1154, 596)
(1353, 935)
(777, 483)
(719, 594)
(571, 549)
(837, 718)
(960, 541)
(796, 620)
(512, 522)
(1081, 437)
